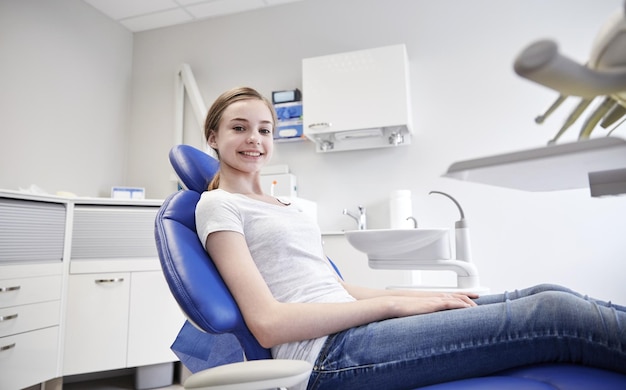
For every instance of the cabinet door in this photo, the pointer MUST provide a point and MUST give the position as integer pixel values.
(28, 358)
(155, 320)
(96, 322)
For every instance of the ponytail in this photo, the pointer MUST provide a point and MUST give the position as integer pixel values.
(215, 182)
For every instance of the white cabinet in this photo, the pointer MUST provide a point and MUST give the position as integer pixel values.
(30, 358)
(120, 312)
(96, 328)
(357, 100)
(154, 322)
(119, 320)
(30, 310)
(31, 280)
(81, 288)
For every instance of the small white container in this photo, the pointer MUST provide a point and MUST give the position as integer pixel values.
(400, 210)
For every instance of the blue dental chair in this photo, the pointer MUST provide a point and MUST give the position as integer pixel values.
(201, 293)
(207, 303)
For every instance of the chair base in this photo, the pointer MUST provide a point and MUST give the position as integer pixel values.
(251, 375)
(157, 375)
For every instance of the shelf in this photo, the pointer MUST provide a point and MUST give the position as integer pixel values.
(549, 168)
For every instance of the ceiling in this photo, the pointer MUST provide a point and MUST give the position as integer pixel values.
(141, 15)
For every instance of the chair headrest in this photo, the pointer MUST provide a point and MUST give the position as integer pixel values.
(194, 167)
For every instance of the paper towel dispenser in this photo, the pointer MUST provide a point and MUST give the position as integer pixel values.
(357, 100)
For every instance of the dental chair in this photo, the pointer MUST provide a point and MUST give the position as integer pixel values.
(204, 298)
(201, 293)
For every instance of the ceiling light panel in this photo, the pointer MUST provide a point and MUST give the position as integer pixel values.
(156, 20)
(121, 9)
(223, 7)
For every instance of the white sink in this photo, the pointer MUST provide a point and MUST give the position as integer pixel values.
(415, 249)
(401, 246)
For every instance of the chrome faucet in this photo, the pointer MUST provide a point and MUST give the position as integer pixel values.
(412, 219)
(360, 219)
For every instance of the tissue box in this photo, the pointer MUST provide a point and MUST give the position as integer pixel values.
(289, 124)
(288, 129)
(288, 111)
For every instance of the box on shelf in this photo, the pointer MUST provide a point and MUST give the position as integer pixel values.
(289, 121)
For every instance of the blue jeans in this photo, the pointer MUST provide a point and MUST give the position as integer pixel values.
(545, 323)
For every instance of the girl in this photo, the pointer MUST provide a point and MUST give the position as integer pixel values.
(270, 255)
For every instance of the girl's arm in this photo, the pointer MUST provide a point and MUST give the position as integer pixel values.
(360, 292)
(273, 322)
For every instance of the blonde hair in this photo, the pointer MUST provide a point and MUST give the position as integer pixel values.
(214, 116)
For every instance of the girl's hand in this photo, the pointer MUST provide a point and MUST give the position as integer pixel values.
(360, 292)
(402, 306)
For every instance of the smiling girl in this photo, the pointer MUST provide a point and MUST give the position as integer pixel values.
(270, 255)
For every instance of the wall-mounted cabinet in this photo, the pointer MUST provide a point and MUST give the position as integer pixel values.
(357, 100)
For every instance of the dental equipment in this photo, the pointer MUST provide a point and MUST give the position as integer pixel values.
(461, 232)
(603, 75)
(597, 163)
(421, 250)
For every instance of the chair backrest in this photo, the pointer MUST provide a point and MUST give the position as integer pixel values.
(189, 271)
(194, 167)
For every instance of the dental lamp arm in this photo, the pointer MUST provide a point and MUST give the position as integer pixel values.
(542, 63)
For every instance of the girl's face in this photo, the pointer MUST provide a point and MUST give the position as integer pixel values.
(244, 139)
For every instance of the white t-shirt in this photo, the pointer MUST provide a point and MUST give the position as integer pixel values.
(286, 246)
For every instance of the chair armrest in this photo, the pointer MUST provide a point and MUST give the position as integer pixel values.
(251, 375)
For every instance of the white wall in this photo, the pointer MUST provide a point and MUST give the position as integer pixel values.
(65, 76)
(64, 97)
(467, 102)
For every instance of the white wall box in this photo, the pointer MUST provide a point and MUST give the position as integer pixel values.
(357, 100)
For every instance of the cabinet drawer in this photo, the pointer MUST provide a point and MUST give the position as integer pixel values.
(28, 358)
(20, 319)
(25, 291)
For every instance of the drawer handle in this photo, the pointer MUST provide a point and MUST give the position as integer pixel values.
(9, 317)
(8, 289)
(5, 347)
(320, 125)
(114, 280)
